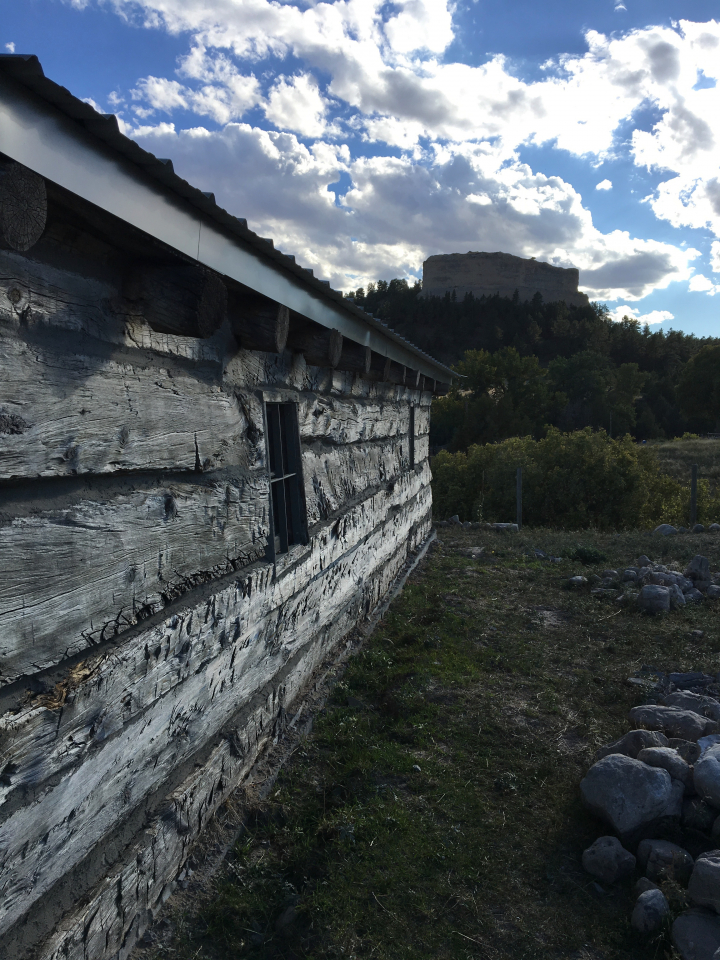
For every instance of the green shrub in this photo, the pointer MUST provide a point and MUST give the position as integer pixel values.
(572, 480)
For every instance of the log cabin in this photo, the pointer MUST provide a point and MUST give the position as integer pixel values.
(213, 468)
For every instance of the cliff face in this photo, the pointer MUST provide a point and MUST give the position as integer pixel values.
(487, 274)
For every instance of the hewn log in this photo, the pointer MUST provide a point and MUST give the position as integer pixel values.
(23, 206)
(70, 414)
(258, 323)
(335, 476)
(343, 420)
(76, 573)
(355, 357)
(321, 347)
(181, 298)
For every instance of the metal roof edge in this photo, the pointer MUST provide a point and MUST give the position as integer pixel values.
(27, 70)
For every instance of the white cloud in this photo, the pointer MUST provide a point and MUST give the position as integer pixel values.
(715, 256)
(10, 47)
(654, 316)
(378, 72)
(296, 104)
(701, 284)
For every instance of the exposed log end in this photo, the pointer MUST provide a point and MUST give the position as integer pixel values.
(179, 298)
(23, 206)
(355, 357)
(258, 323)
(320, 346)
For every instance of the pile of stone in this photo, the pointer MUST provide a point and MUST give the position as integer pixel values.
(658, 789)
(667, 529)
(655, 587)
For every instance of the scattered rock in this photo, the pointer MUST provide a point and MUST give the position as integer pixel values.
(650, 911)
(668, 759)
(697, 815)
(577, 583)
(714, 527)
(686, 680)
(665, 529)
(696, 935)
(689, 751)
(706, 706)
(654, 599)
(455, 520)
(644, 561)
(610, 575)
(644, 884)
(626, 793)
(608, 860)
(698, 528)
(704, 886)
(706, 775)
(693, 596)
(683, 724)
(677, 597)
(713, 592)
(704, 743)
(506, 527)
(662, 860)
(629, 576)
(632, 743)
(698, 568)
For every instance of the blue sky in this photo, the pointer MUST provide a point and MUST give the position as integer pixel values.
(366, 135)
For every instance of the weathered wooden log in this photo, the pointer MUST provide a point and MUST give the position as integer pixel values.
(77, 572)
(321, 346)
(355, 357)
(117, 415)
(180, 298)
(23, 206)
(258, 324)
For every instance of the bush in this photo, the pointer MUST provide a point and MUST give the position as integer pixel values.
(572, 480)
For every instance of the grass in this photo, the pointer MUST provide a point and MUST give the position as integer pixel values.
(434, 810)
(677, 457)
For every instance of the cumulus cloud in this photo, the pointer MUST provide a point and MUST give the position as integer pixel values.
(654, 316)
(10, 47)
(701, 284)
(376, 75)
(715, 256)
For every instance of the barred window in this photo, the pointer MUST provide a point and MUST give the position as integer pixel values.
(411, 433)
(287, 501)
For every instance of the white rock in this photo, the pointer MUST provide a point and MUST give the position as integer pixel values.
(704, 886)
(666, 529)
(669, 760)
(654, 599)
(696, 935)
(650, 910)
(660, 860)
(706, 775)
(626, 793)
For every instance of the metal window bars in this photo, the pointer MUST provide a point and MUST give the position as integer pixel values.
(287, 502)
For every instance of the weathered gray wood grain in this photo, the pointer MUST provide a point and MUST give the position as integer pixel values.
(337, 475)
(77, 414)
(71, 572)
(257, 634)
(40, 741)
(344, 420)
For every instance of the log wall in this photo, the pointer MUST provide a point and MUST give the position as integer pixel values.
(148, 649)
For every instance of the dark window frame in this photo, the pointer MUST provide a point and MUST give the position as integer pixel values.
(288, 514)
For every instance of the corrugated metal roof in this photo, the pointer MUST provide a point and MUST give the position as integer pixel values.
(27, 70)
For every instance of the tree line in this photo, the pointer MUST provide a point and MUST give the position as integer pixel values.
(531, 365)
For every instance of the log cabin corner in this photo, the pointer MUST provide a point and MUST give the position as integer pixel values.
(213, 468)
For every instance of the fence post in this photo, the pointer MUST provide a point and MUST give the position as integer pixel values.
(693, 495)
(518, 490)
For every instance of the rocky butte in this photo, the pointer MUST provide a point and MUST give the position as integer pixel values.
(501, 274)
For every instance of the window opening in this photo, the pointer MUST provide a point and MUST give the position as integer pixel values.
(411, 432)
(286, 501)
